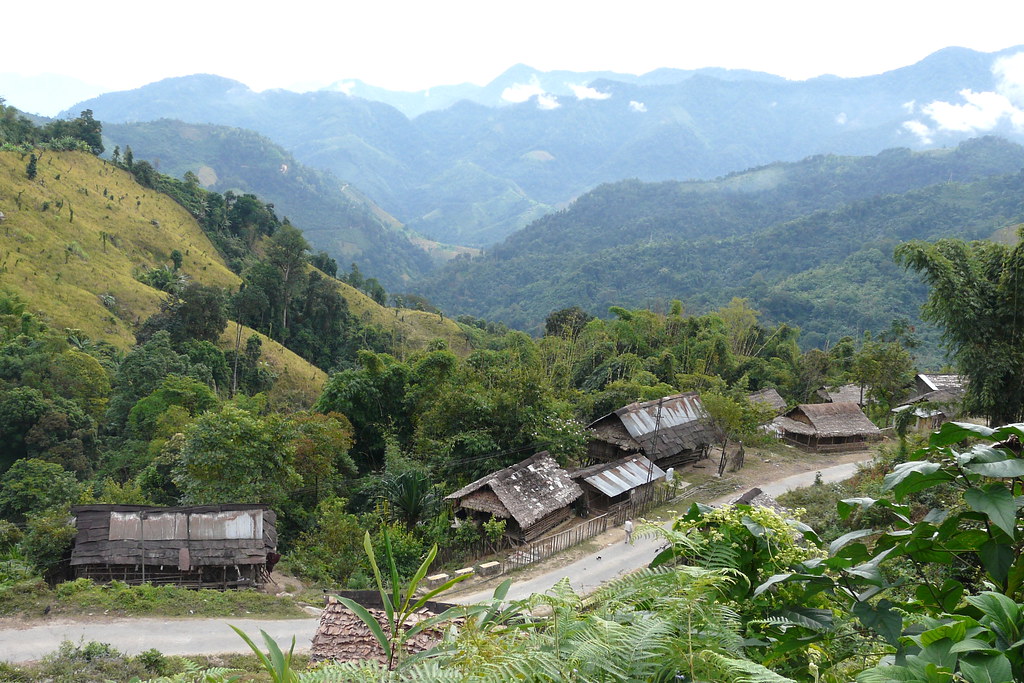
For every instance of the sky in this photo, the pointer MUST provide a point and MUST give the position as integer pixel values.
(413, 45)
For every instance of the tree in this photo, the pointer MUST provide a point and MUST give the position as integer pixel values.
(233, 456)
(287, 252)
(31, 169)
(886, 369)
(977, 297)
(32, 485)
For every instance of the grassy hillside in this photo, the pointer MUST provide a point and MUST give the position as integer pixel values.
(73, 237)
(411, 329)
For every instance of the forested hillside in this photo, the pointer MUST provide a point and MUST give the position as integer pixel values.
(809, 243)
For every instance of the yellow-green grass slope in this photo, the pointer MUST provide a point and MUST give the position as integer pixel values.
(73, 239)
(66, 248)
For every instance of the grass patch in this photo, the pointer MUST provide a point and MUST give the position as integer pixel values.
(99, 662)
(82, 597)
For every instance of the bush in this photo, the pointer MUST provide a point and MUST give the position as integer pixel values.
(48, 539)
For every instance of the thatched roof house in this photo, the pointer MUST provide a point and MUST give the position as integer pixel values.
(848, 393)
(610, 483)
(208, 546)
(533, 496)
(769, 397)
(343, 637)
(670, 431)
(827, 426)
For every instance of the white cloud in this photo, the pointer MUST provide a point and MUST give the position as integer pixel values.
(982, 111)
(637, 106)
(1010, 72)
(841, 118)
(546, 101)
(910, 106)
(585, 92)
(343, 86)
(923, 132)
(520, 92)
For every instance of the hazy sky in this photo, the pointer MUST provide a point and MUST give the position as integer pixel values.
(408, 45)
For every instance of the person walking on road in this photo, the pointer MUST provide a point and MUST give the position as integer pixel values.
(628, 526)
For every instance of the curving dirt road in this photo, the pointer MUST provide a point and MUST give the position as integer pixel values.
(212, 636)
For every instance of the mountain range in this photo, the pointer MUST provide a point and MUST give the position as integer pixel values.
(474, 173)
(808, 243)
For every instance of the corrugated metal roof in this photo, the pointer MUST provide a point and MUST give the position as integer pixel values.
(642, 419)
(619, 478)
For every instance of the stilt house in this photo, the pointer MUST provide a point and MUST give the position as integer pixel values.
(671, 431)
(534, 496)
(827, 427)
(209, 546)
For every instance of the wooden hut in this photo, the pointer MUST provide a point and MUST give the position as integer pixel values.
(827, 426)
(847, 393)
(534, 496)
(670, 432)
(208, 546)
(343, 637)
(605, 485)
(771, 398)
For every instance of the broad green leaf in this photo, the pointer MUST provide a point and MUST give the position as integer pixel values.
(986, 668)
(981, 453)
(755, 529)
(955, 432)
(784, 578)
(414, 582)
(1001, 614)
(995, 502)
(936, 516)
(910, 477)
(813, 619)
(972, 645)
(938, 654)
(1004, 469)
(887, 673)
(806, 531)
(869, 571)
(835, 545)
(881, 619)
(926, 550)
(996, 558)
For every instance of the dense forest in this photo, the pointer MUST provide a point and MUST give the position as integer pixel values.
(790, 237)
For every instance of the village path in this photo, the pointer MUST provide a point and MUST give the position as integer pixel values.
(205, 636)
(615, 557)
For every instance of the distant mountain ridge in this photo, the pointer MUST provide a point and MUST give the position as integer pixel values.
(334, 215)
(516, 83)
(473, 174)
(809, 243)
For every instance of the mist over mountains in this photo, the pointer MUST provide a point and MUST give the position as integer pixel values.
(474, 173)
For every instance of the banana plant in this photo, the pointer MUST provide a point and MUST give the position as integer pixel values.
(399, 601)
